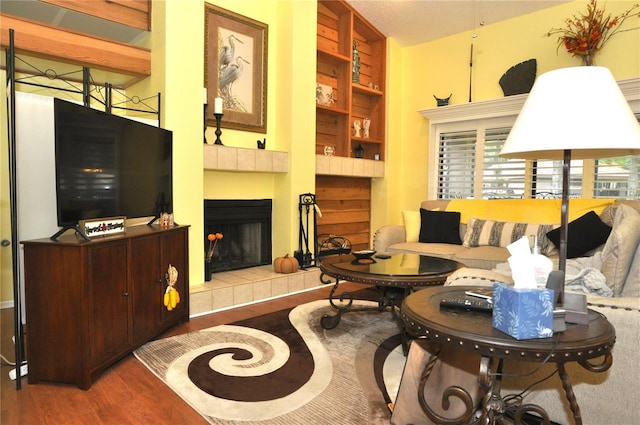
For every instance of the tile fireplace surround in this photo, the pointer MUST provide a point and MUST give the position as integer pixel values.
(237, 287)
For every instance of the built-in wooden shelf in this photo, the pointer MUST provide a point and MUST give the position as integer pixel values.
(227, 158)
(350, 167)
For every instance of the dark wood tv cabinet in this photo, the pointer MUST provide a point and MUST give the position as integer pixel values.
(89, 303)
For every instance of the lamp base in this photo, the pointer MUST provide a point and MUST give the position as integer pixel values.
(575, 307)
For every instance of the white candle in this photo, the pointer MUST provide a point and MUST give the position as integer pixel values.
(217, 106)
(205, 96)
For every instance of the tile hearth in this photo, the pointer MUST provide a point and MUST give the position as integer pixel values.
(236, 287)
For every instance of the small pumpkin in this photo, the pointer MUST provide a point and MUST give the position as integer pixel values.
(285, 264)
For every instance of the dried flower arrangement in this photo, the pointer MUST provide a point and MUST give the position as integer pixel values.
(586, 34)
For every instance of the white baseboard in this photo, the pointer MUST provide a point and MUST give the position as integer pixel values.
(6, 304)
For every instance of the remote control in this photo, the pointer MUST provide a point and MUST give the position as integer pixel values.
(463, 303)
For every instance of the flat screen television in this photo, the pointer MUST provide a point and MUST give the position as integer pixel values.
(108, 165)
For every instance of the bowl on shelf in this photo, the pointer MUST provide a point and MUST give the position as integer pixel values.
(363, 254)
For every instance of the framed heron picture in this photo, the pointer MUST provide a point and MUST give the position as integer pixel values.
(236, 69)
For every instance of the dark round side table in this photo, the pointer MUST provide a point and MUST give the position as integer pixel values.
(393, 277)
(473, 332)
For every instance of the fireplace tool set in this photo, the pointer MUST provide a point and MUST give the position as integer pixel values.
(308, 210)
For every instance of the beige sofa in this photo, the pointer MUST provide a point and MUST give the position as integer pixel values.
(605, 398)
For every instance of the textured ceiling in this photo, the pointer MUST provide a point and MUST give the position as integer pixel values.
(412, 22)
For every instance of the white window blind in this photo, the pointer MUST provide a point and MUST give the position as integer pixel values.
(617, 177)
(456, 164)
(501, 177)
(546, 179)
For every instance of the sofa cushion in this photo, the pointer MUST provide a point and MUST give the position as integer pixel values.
(503, 233)
(440, 227)
(584, 234)
(631, 286)
(443, 250)
(482, 257)
(620, 249)
(411, 221)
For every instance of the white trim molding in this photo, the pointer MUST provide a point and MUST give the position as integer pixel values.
(510, 105)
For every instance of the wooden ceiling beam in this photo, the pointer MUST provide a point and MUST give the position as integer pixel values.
(41, 40)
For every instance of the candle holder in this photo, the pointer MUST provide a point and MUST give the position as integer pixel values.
(218, 131)
(205, 124)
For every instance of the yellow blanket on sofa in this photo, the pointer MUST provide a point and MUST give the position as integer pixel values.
(524, 210)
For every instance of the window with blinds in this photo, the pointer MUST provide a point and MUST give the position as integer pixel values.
(456, 164)
(501, 177)
(617, 177)
(469, 166)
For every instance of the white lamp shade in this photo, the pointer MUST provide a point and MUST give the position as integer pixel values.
(579, 109)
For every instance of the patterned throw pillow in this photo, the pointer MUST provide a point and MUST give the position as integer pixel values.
(503, 233)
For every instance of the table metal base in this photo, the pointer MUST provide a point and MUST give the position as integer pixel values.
(491, 408)
(389, 298)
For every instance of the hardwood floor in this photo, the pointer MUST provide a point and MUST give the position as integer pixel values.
(126, 393)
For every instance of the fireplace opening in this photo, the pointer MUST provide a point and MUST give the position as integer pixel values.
(246, 228)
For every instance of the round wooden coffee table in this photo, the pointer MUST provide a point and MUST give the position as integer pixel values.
(393, 277)
(473, 332)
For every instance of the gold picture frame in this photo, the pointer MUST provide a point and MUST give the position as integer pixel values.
(236, 69)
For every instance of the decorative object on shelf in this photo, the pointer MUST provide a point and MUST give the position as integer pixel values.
(324, 95)
(285, 264)
(519, 78)
(376, 87)
(262, 145)
(370, 85)
(442, 101)
(355, 71)
(376, 157)
(586, 34)
(357, 127)
(359, 151)
(329, 150)
(102, 226)
(171, 295)
(236, 67)
(166, 219)
(366, 124)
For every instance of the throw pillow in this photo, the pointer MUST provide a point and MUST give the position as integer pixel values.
(482, 232)
(412, 224)
(411, 221)
(584, 234)
(620, 248)
(440, 227)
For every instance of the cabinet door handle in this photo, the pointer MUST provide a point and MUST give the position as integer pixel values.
(125, 294)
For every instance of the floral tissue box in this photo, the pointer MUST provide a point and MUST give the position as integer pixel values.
(523, 313)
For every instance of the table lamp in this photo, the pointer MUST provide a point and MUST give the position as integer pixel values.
(575, 112)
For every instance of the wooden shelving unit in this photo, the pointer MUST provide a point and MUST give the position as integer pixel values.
(343, 181)
(338, 26)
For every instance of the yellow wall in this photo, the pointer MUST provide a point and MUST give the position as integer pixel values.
(178, 72)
